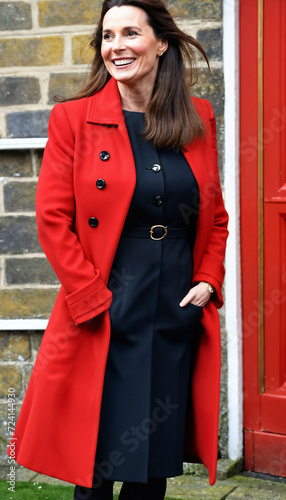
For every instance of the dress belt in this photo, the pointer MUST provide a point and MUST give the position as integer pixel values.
(156, 232)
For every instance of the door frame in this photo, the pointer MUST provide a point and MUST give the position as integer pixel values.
(264, 436)
(231, 188)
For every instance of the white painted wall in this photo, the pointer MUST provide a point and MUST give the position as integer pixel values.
(232, 201)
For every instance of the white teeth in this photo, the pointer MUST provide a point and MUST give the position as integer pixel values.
(123, 62)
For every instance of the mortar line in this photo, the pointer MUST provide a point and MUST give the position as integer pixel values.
(2, 272)
(68, 49)
(35, 255)
(18, 214)
(34, 71)
(34, 164)
(19, 180)
(3, 280)
(2, 124)
(27, 107)
(30, 286)
(44, 81)
(35, 14)
(2, 208)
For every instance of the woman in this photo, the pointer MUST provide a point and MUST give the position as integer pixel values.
(129, 211)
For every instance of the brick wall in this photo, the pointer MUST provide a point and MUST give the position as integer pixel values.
(43, 52)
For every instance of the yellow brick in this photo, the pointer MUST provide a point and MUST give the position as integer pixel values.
(207, 9)
(14, 346)
(10, 377)
(27, 303)
(81, 52)
(70, 12)
(37, 51)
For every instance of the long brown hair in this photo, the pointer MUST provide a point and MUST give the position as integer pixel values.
(171, 120)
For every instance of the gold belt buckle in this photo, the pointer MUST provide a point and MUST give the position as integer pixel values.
(162, 237)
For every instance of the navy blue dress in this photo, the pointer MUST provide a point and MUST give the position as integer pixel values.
(143, 412)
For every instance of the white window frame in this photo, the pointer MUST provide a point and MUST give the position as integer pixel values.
(23, 324)
(10, 145)
(27, 143)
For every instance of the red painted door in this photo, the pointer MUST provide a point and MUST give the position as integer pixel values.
(263, 231)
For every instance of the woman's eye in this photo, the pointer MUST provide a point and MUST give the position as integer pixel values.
(132, 33)
(107, 36)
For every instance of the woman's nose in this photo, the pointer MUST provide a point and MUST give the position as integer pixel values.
(118, 44)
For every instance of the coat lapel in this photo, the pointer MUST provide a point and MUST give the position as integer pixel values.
(105, 106)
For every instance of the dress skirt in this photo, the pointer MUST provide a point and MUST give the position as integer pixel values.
(153, 339)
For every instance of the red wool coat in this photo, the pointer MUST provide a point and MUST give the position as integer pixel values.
(56, 432)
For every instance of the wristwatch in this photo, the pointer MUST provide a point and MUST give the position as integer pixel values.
(209, 287)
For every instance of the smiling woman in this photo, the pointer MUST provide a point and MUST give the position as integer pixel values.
(131, 52)
(131, 216)
(173, 69)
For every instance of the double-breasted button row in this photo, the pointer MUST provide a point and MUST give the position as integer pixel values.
(101, 183)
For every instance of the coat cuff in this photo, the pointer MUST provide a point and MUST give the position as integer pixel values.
(90, 300)
(217, 297)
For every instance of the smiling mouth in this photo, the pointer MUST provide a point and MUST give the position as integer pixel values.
(123, 62)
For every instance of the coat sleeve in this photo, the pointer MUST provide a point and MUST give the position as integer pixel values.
(211, 268)
(86, 294)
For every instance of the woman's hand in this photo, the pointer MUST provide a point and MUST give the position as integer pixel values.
(198, 295)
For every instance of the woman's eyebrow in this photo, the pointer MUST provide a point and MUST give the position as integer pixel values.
(126, 28)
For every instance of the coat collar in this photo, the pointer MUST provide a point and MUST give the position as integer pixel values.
(104, 107)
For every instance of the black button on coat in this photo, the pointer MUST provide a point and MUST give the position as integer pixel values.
(93, 222)
(100, 183)
(104, 155)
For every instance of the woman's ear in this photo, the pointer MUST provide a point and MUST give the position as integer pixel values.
(162, 47)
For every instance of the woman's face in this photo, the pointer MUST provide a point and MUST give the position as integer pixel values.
(129, 48)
